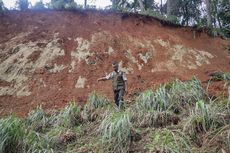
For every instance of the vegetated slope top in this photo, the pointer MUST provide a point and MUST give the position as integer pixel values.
(49, 58)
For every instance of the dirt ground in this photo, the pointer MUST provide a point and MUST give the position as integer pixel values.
(53, 57)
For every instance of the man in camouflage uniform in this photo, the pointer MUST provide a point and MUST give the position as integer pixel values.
(119, 82)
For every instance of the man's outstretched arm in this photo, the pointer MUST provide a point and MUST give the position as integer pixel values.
(102, 79)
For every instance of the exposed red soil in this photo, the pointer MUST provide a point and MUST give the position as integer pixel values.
(59, 88)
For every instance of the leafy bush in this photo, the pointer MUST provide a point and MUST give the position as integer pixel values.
(11, 134)
(22, 4)
(115, 130)
(171, 19)
(3, 9)
(63, 4)
(39, 6)
(164, 140)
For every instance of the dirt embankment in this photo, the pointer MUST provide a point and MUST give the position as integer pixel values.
(50, 58)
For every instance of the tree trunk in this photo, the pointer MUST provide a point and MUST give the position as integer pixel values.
(141, 6)
(208, 9)
(85, 4)
(169, 7)
(161, 8)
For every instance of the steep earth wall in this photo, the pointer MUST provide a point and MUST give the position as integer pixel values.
(50, 58)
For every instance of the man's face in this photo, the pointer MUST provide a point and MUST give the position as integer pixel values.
(115, 68)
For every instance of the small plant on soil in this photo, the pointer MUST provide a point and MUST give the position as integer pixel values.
(115, 130)
(168, 141)
(11, 134)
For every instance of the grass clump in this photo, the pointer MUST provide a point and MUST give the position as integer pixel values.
(152, 108)
(69, 117)
(115, 131)
(97, 101)
(188, 92)
(202, 119)
(95, 107)
(168, 141)
(36, 142)
(11, 134)
(37, 119)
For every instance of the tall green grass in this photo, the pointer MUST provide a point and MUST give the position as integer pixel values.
(203, 118)
(188, 92)
(37, 119)
(115, 131)
(96, 107)
(11, 134)
(69, 117)
(166, 99)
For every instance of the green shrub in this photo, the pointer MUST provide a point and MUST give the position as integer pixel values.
(39, 6)
(22, 4)
(11, 134)
(115, 131)
(63, 4)
(167, 141)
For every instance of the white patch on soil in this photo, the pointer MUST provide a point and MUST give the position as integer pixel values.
(145, 57)
(72, 65)
(57, 68)
(80, 82)
(133, 59)
(17, 67)
(110, 50)
(162, 42)
(82, 51)
(190, 58)
(127, 70)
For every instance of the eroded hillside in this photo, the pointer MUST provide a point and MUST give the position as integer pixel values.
(50, 58)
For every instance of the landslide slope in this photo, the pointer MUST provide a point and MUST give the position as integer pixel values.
(50, 58)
